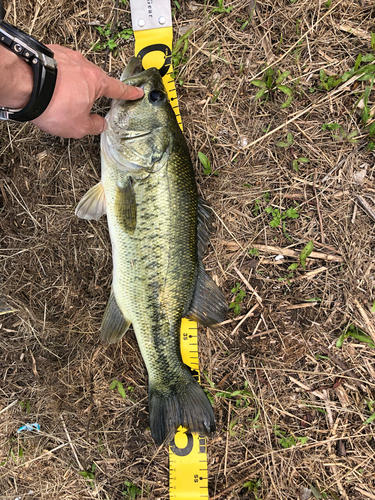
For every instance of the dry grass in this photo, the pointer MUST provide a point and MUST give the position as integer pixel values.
(56, 270)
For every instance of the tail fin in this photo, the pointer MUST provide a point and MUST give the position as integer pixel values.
(186, 405)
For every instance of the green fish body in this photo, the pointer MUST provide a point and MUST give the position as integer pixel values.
(159, 229)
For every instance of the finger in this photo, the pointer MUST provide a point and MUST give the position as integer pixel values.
(114, 89)
(97, 124)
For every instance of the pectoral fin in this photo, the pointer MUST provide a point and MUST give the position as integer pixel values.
(114, 324)
(208, 306)
(125, 205)
(92, 205)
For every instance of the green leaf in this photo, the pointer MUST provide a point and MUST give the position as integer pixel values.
(282, 144)
(292, 213)
(303, 160)
(373, 307)
(258, 83)
(316, 493)
(289, 138)
(348, 74)
(330, 126)
(340, 340)
(293, 266)
(366, 77)
(282, 77)
(358, 62)
(287, 442)
(231, 425)
(365, 115)
(368, 58)
(351, 135)
(121, 390)
(295, 165)
(259, 94)
(371, 129)
(306, 252)
(372, 40)
(287, 103)
(285, 89)
(113, 385)
(303, 440)
(205, 162)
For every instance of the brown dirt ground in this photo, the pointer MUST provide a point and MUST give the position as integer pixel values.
(56, 269)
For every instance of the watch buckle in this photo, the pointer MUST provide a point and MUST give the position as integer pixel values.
(4, 114)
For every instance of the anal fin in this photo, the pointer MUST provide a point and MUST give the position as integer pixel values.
(208, 306)
(114, 324)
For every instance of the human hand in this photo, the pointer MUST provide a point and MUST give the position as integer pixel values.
(79, 84)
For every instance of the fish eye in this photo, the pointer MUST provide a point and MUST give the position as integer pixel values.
(157, 96)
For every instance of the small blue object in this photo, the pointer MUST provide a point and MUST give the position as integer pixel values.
(29, 427)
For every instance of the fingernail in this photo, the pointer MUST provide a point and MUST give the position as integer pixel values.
(140, 89)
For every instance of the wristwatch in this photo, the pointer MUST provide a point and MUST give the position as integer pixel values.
(44, 68)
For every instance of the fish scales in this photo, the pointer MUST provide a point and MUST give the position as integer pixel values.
(158, 229)
(157, 263)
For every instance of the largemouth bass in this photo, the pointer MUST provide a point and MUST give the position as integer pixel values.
(159, 230)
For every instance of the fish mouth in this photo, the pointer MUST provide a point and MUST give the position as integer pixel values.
(133, 68)
(133, 134)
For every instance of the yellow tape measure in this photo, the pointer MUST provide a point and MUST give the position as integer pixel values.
(154, 47)
(187, 452)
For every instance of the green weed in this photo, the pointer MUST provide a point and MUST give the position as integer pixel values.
(89, 475)
(356, 333)
(256, 208)
(281, 217)
(271, 82)
(207, 169)
(241, 396)
(306, 251)
(341, 135)
(132, 491)
(239, 296)
(253, 251)
(116, 383)
(25, 405)
(253, 487)
(220, 9)
(111, 37)
(288, 441)
(178, 53)
(288, 145)
(297, 161)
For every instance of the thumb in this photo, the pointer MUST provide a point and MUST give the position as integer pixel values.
(96, 125)
(115, 89)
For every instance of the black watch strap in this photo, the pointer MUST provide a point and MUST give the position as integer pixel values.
(44, 69)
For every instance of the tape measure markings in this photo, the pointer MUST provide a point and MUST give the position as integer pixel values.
(187, 452)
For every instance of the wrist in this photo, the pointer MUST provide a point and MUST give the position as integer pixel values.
(16, 80)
